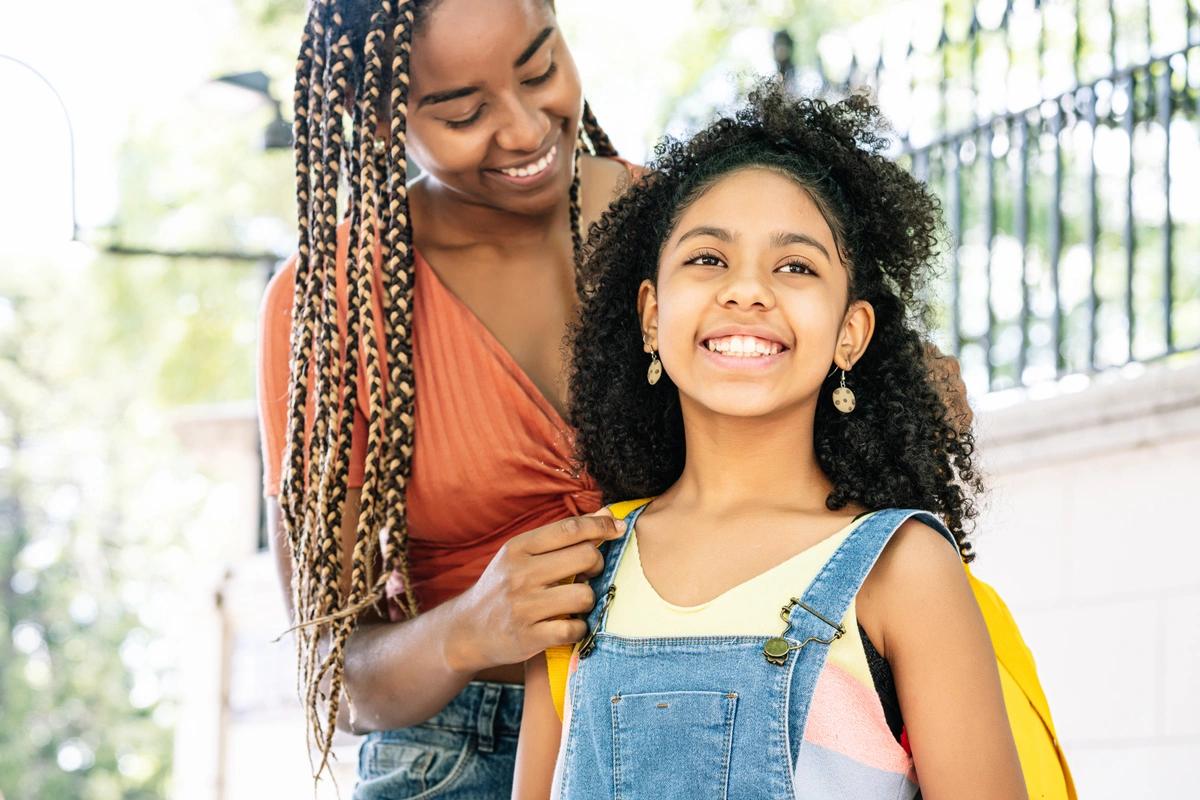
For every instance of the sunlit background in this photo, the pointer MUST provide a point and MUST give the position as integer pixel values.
(147, 196)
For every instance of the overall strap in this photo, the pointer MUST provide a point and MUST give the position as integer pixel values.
(815, 619)
(838, 582)
(612, 550)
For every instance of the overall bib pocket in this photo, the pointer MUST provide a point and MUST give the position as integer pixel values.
(677, 742)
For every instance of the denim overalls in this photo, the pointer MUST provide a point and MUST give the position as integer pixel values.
(708, 717)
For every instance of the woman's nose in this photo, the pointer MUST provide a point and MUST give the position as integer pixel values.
(525, 128)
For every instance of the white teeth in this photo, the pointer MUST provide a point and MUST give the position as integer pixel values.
(743, 346)
(534, 168)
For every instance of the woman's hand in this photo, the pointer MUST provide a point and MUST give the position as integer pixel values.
(525, 598)
(946, 375)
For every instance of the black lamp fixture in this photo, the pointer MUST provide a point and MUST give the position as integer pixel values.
(278, 134)
(783, 49)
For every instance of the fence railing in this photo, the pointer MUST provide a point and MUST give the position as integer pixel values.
(1064, 140)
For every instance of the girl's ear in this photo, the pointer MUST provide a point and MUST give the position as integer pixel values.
(857, 327)
(647, 303)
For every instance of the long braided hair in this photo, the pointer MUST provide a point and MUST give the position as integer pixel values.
(342, 74)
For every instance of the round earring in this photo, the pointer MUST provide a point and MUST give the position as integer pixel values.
(655, 371)
(843, 398)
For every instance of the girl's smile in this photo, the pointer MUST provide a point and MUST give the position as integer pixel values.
(741, 347)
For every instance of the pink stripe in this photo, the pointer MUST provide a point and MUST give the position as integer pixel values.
(846, 717)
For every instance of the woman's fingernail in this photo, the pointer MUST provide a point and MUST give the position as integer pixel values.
(620, 525)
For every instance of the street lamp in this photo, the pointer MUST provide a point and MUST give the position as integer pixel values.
(278, 134)
(783, 49)
(70, 136)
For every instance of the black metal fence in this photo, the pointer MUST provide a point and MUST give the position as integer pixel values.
(1064, 140)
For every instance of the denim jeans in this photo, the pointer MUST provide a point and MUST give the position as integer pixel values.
(467, 751)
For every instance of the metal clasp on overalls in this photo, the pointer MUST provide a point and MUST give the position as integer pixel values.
(777, 648)
(589, 642)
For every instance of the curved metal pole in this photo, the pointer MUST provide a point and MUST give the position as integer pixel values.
(70, 134)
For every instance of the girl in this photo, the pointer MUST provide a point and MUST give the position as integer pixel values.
(420, 306)
(750, 356)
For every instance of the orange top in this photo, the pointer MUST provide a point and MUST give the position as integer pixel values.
(492, 457)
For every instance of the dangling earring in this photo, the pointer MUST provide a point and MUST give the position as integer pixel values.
(655, 371)
(843, 398)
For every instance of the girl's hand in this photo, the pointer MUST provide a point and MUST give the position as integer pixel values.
(525, 598)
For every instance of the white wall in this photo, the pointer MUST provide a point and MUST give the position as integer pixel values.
(1090, 536)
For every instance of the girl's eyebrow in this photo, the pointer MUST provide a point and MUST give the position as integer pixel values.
(707, 230)
(778, 239)
(784, 238)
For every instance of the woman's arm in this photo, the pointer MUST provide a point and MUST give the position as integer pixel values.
(401, 674)
(541, 732)
(918, 608)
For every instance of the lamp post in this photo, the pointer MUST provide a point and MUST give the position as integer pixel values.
(278, 135)
(70, 135)
(783, 49)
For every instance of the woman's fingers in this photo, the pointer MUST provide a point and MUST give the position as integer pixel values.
(573, 530)
(548, 569)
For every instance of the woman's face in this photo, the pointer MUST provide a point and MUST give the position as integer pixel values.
(494, 103)
(750, 309)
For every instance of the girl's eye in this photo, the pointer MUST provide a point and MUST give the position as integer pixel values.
(545, 76)
(706, 260)
(462, 123)
(797, 268)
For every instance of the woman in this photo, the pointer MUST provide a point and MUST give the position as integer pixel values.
(433, 470)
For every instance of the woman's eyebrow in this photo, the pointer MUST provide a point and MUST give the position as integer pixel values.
(784, 238)
(445, 97)
(537, 42)
(434, 98)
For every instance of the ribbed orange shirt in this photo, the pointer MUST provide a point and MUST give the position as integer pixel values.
(492, 457)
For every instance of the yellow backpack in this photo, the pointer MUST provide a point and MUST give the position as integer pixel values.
(1047, 776)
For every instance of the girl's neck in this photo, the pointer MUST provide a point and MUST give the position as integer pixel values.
(737, 462)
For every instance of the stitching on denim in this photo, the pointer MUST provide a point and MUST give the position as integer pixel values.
(730, 712)
(616, 746)
(460, 765)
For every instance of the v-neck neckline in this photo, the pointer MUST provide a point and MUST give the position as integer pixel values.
(506, 358)
(829, 541)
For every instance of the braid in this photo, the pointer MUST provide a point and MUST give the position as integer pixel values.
(601, 144)
(594, 140)
(398, 288)
(338, 63)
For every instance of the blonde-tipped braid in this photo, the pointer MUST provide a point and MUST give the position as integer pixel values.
(339, 63)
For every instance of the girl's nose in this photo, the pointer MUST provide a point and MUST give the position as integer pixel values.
(745, 289)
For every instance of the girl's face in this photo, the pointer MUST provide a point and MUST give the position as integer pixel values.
(494, 103)
(750, 311)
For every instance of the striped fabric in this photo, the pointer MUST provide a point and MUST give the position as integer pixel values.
(492, 457)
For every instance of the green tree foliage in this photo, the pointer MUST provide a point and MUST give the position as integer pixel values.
(97, 351)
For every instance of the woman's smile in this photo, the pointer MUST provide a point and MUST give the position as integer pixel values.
(533, 171)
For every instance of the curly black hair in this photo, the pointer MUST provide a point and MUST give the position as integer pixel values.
(900, 447)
